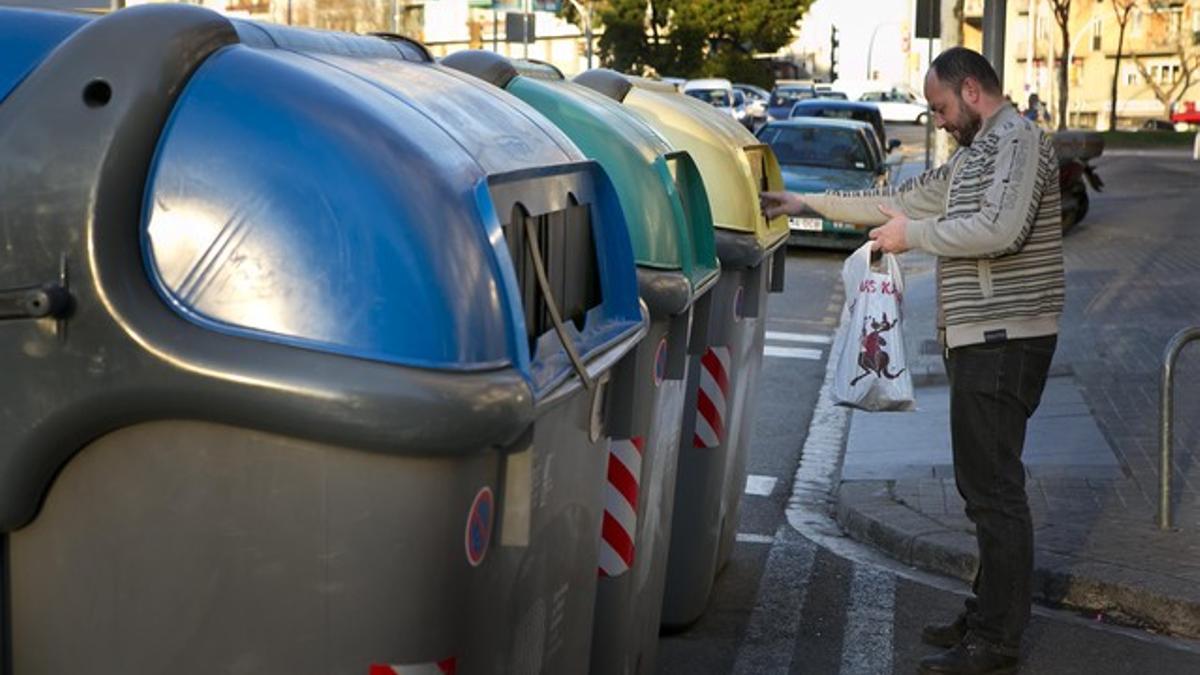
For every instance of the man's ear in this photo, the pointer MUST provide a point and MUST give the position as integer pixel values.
(971, 90)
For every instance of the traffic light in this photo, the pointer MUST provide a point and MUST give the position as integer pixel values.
(833, 50)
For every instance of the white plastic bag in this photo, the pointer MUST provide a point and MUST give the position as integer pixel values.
(872, 370)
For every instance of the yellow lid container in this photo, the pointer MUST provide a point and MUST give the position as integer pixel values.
(735, 166)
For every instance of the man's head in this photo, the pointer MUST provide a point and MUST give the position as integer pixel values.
(962, 89)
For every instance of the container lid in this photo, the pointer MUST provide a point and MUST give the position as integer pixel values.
(28, 36)
(333, 192)
(735, 165)
(669, 220)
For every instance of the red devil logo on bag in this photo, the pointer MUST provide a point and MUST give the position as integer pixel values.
(872, 358)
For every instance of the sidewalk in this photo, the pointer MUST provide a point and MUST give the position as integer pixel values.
(1133, 280)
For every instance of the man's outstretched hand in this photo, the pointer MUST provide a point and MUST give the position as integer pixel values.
(780, 203)
(892, 236)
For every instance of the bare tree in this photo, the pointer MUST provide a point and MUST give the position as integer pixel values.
(1121, 10)
(1062, 15)
(1171, 92)
(1170, 89)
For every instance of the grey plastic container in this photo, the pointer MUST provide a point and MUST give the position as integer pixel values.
(284, 395)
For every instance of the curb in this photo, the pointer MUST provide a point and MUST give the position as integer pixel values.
(867, 513)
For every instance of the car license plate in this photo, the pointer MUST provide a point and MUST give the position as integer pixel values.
(806, 224)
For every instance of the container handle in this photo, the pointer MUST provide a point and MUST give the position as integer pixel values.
(552, 305)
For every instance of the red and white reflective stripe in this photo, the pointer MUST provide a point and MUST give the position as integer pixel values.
(620, 506)
(443, 667)
(710, 399)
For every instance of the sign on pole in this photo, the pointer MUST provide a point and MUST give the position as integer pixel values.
(929, 19)
(518, 27)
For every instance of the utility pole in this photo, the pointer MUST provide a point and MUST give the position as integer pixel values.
(994, 14)
(528, 7)
(586, 14)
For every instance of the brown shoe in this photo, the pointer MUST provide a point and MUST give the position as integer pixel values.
(945, 634)
(969, 657)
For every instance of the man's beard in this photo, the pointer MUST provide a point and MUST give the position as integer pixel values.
(966, 126)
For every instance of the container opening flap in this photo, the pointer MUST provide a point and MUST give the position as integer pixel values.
(564, 238)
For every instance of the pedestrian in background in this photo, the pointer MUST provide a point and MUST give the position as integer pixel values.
(992, 217)
(1036, 111)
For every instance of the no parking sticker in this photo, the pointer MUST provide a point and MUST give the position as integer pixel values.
(479, 525)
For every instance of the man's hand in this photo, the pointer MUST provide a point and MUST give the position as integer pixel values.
(891, 237)
(780, 204)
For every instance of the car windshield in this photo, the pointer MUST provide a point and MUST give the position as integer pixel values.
(823, 147)
(714, 97)
(782, 97)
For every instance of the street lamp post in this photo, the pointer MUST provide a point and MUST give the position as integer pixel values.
(587, 26)
(871, 44)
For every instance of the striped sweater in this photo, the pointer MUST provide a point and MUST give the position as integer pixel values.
(992, 215)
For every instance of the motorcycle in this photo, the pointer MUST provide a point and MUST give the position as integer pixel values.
(1075, 173)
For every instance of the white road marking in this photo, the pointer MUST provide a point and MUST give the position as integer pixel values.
(754, 538)
(799, 337)
(867, 645)
(792, 352)
(775, 622)
(760, 486)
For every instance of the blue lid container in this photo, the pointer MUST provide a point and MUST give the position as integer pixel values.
(338, 193)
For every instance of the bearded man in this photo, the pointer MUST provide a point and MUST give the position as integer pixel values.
(992, 217)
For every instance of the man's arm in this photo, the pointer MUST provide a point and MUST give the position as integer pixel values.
(1007, 210)
(921, 196)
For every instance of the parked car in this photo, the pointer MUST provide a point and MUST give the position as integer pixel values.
(851, 110)
(1157, 125)
(785, 96)
(716, 92)
(741, 110)
(676, 82)
(898, 106)
(756, 101)
(818, 154)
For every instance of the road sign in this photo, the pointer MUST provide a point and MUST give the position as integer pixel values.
(929, 19)
(518, 27)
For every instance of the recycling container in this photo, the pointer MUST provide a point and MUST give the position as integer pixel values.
(670, 225)
(305, 339)
(719, 411)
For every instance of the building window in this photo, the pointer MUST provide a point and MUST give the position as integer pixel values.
(1130, 75)
(1136, 24)
(1097, 33)
(1165, 73)
(1174, 21)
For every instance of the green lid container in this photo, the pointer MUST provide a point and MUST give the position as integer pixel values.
(661, 189)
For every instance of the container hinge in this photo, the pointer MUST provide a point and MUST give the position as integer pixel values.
(35, 302)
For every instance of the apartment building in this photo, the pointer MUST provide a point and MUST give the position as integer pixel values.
(444, 26)
(1161, 51)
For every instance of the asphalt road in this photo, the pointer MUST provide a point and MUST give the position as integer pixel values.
(797, 596)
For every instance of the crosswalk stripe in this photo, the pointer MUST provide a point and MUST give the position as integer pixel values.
(754, 538)
(760, 486)
(867, 645)
(770, 637)
(799, 337)
(792, 352)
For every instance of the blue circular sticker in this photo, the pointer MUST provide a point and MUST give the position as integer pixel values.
(660, 362)
(479, 526)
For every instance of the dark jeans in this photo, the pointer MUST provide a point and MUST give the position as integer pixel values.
(994, 389)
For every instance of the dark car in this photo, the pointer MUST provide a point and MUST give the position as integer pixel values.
(785, 96)
(848, 110)
(818, 154)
